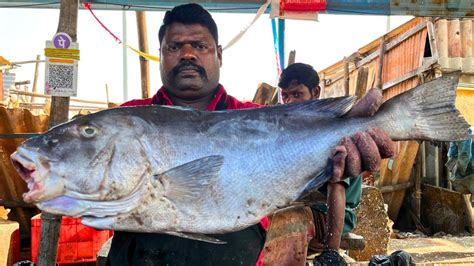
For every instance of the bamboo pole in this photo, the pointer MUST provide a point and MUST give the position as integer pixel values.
(50, 223)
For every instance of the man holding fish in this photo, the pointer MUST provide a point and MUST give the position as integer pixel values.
(190, 62)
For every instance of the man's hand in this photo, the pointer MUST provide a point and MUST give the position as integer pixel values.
(365, 150)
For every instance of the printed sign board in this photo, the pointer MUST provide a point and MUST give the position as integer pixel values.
(61, 68)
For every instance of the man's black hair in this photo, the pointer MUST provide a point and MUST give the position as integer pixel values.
(189, 14)
(301, 73)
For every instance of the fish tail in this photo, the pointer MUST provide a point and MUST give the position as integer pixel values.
(426, 112)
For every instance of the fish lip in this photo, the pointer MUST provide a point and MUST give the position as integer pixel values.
(32, 168)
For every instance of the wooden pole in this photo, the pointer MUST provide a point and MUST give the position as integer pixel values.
(362, 79)
(381, 60)
(292, 57)
(1, 88)
(346, 76)
(15, 204)
(50, 224)
(35, 80)
(18, 92)
(143, 44)
(417, 193)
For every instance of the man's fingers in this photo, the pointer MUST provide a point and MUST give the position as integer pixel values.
(368, 105)
(353, 162)
(368, 150)
(338, 160)
(385, 145)
(363, 152)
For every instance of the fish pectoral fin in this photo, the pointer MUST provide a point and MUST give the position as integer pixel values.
(192, 180)
(315, 183)
(198, 237)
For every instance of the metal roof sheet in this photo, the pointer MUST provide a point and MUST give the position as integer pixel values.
(4, 61)
(455, 39)
(447, 8)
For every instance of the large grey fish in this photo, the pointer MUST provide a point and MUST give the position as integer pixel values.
(185, 172)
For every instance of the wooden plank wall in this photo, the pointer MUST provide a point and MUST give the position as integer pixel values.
(11, 185)
(400, 60)
(406, 54)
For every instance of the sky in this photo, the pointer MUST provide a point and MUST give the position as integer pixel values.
(249, 62)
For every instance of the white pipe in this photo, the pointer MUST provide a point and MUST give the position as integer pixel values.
(388, 24)
(125, 66)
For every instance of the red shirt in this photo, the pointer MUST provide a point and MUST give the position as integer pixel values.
(221, 101)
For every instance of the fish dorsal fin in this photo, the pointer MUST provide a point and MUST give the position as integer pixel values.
(199, 237)
(327, 108)
(189, 181)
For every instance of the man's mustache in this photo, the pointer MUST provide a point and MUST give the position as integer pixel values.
(186, 65)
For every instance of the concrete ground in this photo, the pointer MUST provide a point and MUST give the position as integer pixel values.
(442, 250)
(445, 250)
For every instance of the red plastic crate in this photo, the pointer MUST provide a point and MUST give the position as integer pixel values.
(77, 242)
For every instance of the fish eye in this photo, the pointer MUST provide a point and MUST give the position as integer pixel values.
(88, 131)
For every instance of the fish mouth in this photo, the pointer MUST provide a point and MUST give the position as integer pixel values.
(33, 169)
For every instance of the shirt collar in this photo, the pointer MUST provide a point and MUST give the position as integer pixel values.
(218, 102)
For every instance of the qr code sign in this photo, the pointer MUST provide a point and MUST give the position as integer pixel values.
(61, 76)
(61, 79)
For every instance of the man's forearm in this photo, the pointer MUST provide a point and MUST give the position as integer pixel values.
(335, 219)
